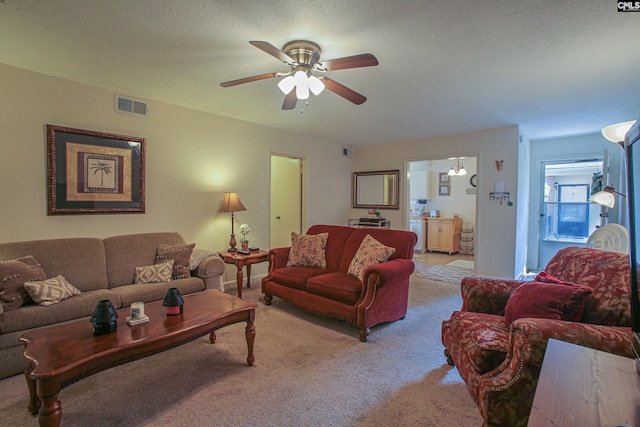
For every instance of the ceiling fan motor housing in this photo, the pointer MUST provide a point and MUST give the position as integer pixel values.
(303, 52)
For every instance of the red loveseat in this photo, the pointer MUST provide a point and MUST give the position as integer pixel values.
(382, 296)
(501, 362)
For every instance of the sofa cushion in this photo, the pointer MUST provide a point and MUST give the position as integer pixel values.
(125, 253)
(308, 251)
(370, 252)
(147, 292)
(554, 299)
(338, 236)
(483, 338)
(13, 274)
(181, 256)
(35, 316)
(50, 291)
(157, 273)
(296, 277)
(336, 286)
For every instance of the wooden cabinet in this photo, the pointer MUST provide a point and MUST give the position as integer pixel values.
(443, 234)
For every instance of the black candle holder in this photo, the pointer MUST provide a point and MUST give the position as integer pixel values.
(104, 318)
(173, 301)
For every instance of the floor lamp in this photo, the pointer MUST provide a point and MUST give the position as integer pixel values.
(232, 203)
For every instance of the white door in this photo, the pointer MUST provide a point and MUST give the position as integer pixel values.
(286, 199)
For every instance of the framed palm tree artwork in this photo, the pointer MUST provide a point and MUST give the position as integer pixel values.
(94, 172)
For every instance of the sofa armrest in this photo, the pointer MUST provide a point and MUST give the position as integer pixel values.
(505, 395)
(211, 270)
(486, 294)
(386, 272)
(278, 258)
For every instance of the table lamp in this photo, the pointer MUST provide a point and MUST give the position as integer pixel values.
(232, 203)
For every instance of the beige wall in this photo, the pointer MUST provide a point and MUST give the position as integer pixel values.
(192, 159)
(495, 223)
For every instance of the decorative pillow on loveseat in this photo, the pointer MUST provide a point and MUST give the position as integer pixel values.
(308, 250)
(13, 274)
(50, 291)
(180, 256)
(548, 298)
(157, 273)
(370, 252)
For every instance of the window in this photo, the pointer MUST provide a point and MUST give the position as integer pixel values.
(568, 215)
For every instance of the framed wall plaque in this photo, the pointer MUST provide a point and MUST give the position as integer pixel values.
(94, 172)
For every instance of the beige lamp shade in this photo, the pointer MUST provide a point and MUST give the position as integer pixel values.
(232, 203)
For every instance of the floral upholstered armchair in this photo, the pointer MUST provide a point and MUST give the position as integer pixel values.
(498, 338)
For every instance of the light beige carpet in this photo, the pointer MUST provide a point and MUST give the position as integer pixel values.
(309, 371)
(463, 263)
(445, 273)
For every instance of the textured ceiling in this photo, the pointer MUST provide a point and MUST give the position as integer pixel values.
(556, 68)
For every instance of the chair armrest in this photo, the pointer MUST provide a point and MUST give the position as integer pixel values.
(512, 384)
(530, 336)
(486, 294)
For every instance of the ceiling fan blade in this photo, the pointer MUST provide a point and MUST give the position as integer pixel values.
(343, 91)
(249, 79)
(356, 61)
(273, 51)
(290, 101)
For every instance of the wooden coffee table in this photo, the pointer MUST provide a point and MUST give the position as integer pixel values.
(59, 355)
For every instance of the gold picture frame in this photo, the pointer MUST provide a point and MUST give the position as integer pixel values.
(92, 172)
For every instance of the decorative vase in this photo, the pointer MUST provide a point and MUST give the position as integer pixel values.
(104, 318)
(245, 245)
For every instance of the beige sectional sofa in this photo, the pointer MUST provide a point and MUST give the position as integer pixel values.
(100, 269)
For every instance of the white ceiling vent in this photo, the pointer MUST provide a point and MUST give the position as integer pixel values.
(131, 106)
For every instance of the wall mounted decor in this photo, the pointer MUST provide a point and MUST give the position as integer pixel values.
(94, 172)
(376, 189)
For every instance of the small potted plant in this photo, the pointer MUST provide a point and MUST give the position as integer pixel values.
(244, 230)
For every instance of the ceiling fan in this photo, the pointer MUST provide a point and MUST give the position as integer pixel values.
(304, 57)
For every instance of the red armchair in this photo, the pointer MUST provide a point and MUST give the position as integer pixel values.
(500, 363)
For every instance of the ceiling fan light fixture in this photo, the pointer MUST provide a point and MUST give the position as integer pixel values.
(315, 85)
(287, 84)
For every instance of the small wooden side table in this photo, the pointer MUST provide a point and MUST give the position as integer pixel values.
(240, 260)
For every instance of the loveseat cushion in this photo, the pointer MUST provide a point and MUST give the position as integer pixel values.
(35, 316)
(296, 277)
(308, 251)
(336, 286)
(483, 338)
(370, 252)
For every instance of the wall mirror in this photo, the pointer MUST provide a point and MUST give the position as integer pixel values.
(376, 189)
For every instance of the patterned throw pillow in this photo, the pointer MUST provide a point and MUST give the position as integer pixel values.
(370, 252)
(308, 251)
(50, 291)
(158, 273)
(13, 274)
(180, 256)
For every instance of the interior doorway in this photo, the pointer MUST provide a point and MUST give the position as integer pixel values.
(433, 190)
(286, 199)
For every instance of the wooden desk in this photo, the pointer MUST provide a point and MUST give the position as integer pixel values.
(240, 260)
(580, 386)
